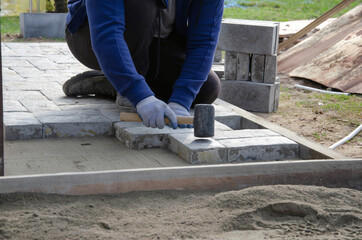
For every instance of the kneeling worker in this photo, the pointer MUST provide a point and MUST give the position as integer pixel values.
(155, 53)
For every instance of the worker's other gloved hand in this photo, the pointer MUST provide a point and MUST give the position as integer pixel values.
(180, 110)
(153, 112)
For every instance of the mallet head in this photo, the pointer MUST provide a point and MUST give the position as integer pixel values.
(204, 120)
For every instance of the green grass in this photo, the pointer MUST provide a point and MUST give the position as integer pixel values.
(10, 25)
(284, 10)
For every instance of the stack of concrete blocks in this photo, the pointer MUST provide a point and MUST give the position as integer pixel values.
(251, 79)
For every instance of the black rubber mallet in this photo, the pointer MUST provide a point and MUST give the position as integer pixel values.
(203, 120)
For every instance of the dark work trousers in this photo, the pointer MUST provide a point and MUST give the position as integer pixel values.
(158, 60)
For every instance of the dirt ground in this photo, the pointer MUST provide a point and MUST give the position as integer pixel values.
(268, 212)
(302, 112)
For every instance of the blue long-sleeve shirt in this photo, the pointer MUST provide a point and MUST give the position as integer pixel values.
(198, 21)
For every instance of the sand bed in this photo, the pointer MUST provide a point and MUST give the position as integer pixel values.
(281, 212)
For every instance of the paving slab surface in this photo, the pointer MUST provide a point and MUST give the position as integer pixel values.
(55, 133)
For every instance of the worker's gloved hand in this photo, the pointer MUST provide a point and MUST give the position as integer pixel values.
(180, 110)
(153, 112)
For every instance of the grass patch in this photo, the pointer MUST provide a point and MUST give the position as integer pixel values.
(10, 25)
(283, 10)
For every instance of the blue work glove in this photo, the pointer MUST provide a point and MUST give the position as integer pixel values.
(153, 112)
(180, 110)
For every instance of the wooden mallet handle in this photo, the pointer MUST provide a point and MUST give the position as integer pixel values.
(133, 117)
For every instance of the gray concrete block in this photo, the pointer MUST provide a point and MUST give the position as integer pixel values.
(276, 95)
(243, 67)
(74, 123)
(257, 68)
(232, 121)
(270, 69)
(246, 133)
(143, 137)
(197, 151)
(247, 124)
(230, 65)
(261, 149)
(251, 96)
(249, 36)
(21, 125)
(39, 105)
(37, 25)
(218, 56)
(24, 95)
(221, 127)
(13, 106)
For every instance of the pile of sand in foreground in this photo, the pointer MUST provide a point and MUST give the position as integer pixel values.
(280, 212)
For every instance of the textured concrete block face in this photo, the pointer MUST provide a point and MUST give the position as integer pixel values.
(21, 125)
(143, 137)
(276, 95)
(249, 36)
(261, 149)
(37, 25)
(230, 65)
(218, 56)
(197, 151)
(238, 134)
(74, 123)
(232, 121)
(257, 68)
(13, 106)
(243, 67)
(256, 97)
(270, 70)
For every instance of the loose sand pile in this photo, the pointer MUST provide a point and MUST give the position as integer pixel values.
(280, 212)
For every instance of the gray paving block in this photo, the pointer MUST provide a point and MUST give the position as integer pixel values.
(221, 127)
(249, 36)
(257, 68)
(24, 95)
(143, 137)
(230, 65)
(276, 95)
(232, 121)
(261, 149)
(39, 105)
(218, 56)
(251, 96)
(270, 69)
(196, 150)
(21, 125)
(31, 85)
(74, 123)
(243, 67)
(13, 106)
(37, 25)
(245, 133)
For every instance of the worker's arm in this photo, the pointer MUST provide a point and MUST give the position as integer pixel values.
(202, 36)
(107, 26)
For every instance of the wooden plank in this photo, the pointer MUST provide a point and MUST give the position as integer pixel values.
(315, 23)
(328, 173)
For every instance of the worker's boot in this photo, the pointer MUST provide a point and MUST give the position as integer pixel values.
(90, 82)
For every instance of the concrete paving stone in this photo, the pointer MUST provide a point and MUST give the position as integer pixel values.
(143, 137)
(60, 59)
(257, 68)
(244, 133)
(249, 36)
(221, 127)
(30, 85)
(270, 70)
(43, 63)
(261, 149)
(230, 65)
(243, 67)
(13, 106)
(197, 150)
(74, 123)
(21, 125)
(39, 105)
(10, 75)
(276, 95)
(28, 72)
(232, 121)
(24, 95)
(218, 56)
(37, 24)
(251, 96)
(111, 113)
(12, 62)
